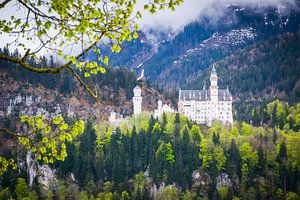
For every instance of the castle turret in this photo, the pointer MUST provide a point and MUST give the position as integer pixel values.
(137, 100)
(159, 105)
(213, 96)
(214, 85)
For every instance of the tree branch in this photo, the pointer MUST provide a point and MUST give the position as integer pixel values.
(25, 65)
(14, 134)
(52, 70)
(83, 83)
(2, 5)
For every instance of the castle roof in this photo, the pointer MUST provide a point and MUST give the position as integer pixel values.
(203, 95)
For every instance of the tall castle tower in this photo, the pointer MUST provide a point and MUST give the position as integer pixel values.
(214, 85)
(137, 100)
(214, 93)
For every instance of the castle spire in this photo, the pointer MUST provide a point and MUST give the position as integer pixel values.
(204, 86)
(213, 70)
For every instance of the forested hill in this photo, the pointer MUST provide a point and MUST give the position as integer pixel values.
(259, 74)
(172, 60)
(206, 41)
(23, 92)
(172, 158)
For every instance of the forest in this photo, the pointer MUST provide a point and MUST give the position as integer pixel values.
(64, 54)
(174, 158)
(65, 83)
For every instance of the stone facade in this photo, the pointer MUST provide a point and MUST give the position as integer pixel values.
(205, 106)
(115, 118)
(137, 100)
(162, 108)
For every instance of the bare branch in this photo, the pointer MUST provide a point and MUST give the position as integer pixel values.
(36, 11)
(83, 83)
(11, 133)
(2, 5)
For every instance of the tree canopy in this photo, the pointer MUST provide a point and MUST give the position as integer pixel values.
(58, 27)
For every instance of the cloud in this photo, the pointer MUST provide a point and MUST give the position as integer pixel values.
(163, 20)
(192, 10)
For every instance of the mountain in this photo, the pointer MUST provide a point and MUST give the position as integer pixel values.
(27, 93)
(172, 60)
(202, 43)
(135, 52)
(259, 74)
(264, 42)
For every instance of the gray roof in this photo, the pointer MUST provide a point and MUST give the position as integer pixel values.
(224, 95)
(203, 95)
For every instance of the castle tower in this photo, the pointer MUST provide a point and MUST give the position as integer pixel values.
(137, 100)
(159, 105)
(213, 96)
(214, 85)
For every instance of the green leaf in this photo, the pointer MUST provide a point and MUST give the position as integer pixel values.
(86, 74)
(63, 127)
(57, 120)
(105, 60)
(23, 118)
(47, 25)
(135, 35)
(102, 70)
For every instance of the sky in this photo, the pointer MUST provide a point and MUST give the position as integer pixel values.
(169, 21)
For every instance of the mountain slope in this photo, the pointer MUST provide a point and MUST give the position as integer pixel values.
(27, 93)
(259, 73)
(204, 42)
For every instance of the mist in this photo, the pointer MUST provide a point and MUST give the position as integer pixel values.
(192, 10)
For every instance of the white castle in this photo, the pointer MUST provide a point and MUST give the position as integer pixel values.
(162, 108)
(201, 106)
(205, 106)
(137, 104)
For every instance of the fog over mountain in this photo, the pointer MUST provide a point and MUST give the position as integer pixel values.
(192, 10)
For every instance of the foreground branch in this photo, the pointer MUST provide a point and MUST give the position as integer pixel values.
(3, 4)
(52, 70)
(83, 83)
(28, 67)
(11, 133)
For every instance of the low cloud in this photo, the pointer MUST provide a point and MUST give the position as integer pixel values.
(192, 10)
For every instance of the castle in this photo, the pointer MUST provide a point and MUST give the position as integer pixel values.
(137, 104)
(205, 106)
(201, 106)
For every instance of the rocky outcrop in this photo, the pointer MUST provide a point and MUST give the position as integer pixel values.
(20, 98)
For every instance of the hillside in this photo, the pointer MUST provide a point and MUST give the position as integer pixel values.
(164, 56)
(170, 158)
(26, 93)
(259, 74)
(202, 43)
